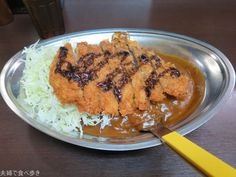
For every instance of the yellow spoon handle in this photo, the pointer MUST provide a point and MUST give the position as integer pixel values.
(200, 158)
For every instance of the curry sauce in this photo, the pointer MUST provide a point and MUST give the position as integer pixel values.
(134, 85)
(171, 109)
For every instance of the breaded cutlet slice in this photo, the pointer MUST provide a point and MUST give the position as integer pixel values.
(138, 79)
(83, 48)
(116, 75)
(157, 93)
(109, 102)
(87, 54)
(126, 104)
(67, 91)
(177, 86)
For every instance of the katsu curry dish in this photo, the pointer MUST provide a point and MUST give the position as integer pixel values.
(132, 84)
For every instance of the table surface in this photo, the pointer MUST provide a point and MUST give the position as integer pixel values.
(24, 148)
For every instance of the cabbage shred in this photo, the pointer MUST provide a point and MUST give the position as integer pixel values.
(42, 104)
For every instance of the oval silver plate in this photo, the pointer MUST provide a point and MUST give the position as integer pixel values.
(218, 71)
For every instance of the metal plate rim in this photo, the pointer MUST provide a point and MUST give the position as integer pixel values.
(116, 147)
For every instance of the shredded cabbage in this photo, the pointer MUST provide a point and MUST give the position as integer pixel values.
(43, 105)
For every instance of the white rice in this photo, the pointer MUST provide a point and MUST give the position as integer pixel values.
(42, 104)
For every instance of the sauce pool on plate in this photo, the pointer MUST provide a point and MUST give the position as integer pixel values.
(171, 109)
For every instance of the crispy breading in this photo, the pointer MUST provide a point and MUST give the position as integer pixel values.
(115, 78)
(67, 91)
(177, 87)
(108, 101)
(138, 79)
(91, 92)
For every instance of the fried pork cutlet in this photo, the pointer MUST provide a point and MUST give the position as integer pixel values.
(115, 78)
(87, 54)
(122, 81)
(66, 90)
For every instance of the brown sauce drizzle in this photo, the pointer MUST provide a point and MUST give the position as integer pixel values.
(62, 55)
(157, 61)
(117, 92)
(150, 83)
(144, 58)
(108, 56)
(72, 72)
(83, 77)
(79, 73)
(87, 60)
(108, 84)
(121, 83)
(153, 78)
(123, 54)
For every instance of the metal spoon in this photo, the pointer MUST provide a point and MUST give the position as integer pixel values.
(204, 161)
